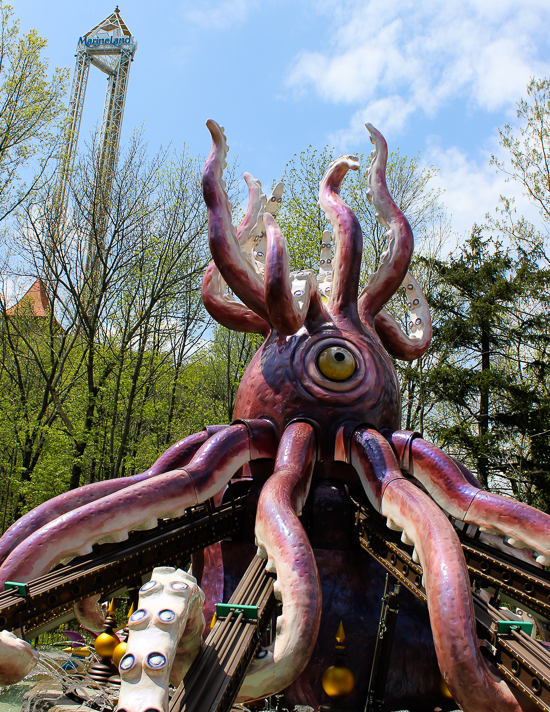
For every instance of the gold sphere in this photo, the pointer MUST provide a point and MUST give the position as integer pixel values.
(336, 363)
(118, 653)
(338, 681)
(105, 643)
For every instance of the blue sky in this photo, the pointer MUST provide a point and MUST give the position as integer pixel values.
(437, 78)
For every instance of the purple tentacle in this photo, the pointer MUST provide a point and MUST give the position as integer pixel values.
(285, 313)
(447, 584)
(253, 209)
(396, 259)
(464, 499)
(407, 347)
(282, 540)
(436, 471)
(176, 456)
(220, 304)
(224, 245)
(348, 239)
(141, 505)
(226, 310)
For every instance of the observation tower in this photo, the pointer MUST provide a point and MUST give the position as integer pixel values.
(110, 47)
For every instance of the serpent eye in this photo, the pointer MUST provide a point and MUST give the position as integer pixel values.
(336, 363)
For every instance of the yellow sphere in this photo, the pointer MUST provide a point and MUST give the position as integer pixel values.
(105, 643)
(336, 363)
(118, 653)
(338, 681)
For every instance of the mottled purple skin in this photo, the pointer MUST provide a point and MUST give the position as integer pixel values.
(166, 495)
(178, 455)
(282, 539)
(283, 384)
(456, 491)
(273, 386)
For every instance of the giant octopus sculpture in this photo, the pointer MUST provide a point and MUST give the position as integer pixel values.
(317, 416)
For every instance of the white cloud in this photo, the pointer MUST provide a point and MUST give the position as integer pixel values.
(471, 189)
(425, 54)
(219, 14)
(391, 112)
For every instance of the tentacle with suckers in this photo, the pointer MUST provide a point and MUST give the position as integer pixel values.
(387, 279)
(411, 346)
(282, 540)
(287, 304)
(219, 303)
(169, 611)
(231, 261)
(225, 309)
(348, 240)
(438, 549)
(178, 455)
(523, 525)
(140, 506)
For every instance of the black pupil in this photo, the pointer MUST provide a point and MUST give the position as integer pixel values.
(339, 356)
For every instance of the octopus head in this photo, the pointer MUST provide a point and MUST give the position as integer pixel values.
(326, 358)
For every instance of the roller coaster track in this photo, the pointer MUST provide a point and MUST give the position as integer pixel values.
(48, 600)
(212, 682)
(521, 659)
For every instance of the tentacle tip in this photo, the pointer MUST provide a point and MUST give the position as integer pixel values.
(250, 180)
(353, 163)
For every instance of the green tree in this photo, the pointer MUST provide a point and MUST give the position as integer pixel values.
(476, 291)
(31, 111)
(303, 222)
(488, 385)
(529, 150)
(85, 379)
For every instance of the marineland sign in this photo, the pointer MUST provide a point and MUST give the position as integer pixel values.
(102, 41)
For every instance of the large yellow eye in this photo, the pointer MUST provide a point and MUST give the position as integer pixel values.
(336, 363)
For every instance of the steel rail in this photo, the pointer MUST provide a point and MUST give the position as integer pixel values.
(522, 660)
(214, 679)
(49, 598)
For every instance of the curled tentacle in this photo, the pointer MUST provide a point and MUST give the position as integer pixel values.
(140, 506)
(438, 549)
(256, 201)
(90, 613)
(226, 310)
(17, 658)
(387, 279)
(287, 304)
(176, 456)
(220, 304)
(236, 270)
(446, 483)
(400, 345)
(348, 239)
(282, 540)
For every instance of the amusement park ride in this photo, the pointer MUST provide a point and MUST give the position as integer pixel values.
(306, 512)
(110, 47)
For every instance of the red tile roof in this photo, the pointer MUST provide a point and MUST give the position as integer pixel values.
(35, 300)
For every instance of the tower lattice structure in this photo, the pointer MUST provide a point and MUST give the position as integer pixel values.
(110, 47)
